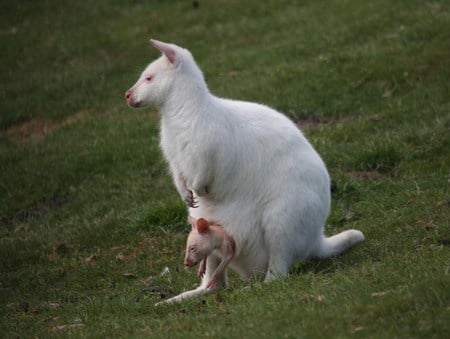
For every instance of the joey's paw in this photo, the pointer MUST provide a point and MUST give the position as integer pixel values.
(212, 283)
(202, 269)
(200, 274)
(190, 200)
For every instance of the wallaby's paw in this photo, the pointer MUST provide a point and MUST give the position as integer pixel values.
(212, 283)
(190, 200)
(201, 273)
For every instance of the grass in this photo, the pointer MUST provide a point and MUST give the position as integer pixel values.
(89, 217)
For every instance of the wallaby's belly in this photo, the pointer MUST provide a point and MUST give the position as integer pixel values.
(251, 266)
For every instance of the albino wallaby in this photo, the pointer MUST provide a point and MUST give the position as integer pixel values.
(202, 241)
(205, 240)
(250, 169)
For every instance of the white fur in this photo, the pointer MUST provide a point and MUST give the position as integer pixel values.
(249, 166)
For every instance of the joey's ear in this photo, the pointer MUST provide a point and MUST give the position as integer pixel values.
(192, 221)
(166, 49)
(202, 225)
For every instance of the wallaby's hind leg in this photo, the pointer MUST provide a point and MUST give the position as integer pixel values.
(280, 257)
(211, 265)
(278, 267)
(186, 295)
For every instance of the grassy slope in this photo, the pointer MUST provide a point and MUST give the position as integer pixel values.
(88, 212)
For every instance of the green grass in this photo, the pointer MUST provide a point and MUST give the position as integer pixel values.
(89, 217)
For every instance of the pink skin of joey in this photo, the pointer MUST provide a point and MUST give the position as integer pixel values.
(204, 238)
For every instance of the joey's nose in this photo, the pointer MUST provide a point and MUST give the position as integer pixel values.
(127, 95)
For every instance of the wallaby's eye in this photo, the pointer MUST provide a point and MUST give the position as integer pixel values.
(148, 78)
(193, 248)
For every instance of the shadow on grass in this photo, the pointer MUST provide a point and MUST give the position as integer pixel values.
(35, 210)
(316, 266)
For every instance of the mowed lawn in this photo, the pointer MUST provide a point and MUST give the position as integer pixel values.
(92, 230)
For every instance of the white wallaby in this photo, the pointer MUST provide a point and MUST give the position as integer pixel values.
(207, 240)
(243, 165)
(202, 241)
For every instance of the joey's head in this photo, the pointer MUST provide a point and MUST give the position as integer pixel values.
(169, 76)
(200, 242)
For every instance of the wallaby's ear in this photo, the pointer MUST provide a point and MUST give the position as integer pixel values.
(166, 49)
(202, 225)
(192, 221)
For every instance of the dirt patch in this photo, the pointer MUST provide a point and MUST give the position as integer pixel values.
(32, 130)
(315, 122)
(36, 129)
(35, 210)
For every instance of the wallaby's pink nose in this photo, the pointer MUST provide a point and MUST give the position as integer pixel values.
(127, 94)
(188, 262)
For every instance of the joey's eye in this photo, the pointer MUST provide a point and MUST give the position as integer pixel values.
(148, 78)
(193, 248)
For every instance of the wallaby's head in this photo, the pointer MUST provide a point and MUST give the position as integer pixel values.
(169, 76)
(200, 242)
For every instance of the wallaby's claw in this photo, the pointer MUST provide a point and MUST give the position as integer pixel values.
(190, 200)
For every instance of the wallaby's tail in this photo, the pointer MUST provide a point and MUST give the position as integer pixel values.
(338, 243)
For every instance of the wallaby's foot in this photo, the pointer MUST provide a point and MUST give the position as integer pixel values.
(199, 291)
